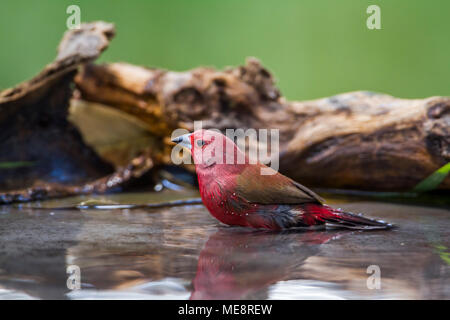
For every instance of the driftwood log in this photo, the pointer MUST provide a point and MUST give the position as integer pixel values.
(357, 140)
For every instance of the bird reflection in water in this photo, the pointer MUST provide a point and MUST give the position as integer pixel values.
(241, 264)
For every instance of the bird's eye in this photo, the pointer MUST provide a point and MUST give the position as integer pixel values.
(200, 143)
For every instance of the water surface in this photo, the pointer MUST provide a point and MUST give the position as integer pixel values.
(183, 253)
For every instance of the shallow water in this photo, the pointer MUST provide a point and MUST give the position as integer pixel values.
(182, 253)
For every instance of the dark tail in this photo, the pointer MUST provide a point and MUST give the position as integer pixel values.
(338, 218)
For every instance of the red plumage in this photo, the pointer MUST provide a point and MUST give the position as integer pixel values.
(235, 191)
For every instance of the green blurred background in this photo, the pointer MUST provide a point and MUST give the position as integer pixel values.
(314, 48)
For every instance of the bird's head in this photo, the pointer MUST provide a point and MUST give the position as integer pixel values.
(210, 148)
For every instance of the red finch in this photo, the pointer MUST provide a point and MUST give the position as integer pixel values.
(240, 192)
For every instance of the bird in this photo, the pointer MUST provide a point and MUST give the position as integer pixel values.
(236, 193)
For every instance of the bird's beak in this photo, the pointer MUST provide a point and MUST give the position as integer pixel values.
(184, 140)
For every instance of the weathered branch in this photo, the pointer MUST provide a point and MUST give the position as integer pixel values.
(359, 140)
(35, 129)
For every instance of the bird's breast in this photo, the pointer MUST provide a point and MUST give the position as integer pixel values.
(225, 205)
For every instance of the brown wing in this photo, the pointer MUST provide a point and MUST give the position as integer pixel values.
(272, 189)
